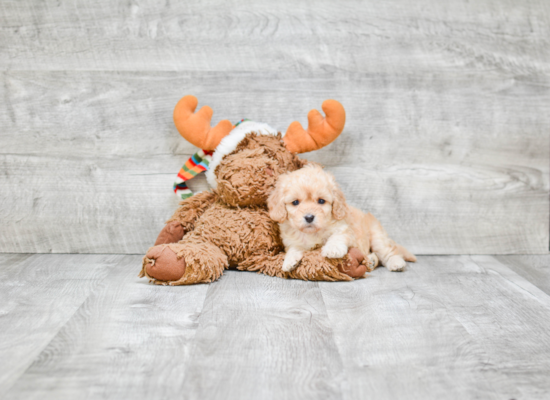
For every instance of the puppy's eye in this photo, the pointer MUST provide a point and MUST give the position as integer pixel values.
(295, 202)
(321, 201)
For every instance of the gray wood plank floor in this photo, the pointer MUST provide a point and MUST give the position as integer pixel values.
(84, 326)
(446, 140)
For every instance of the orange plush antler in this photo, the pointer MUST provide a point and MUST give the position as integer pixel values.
(195, 127)
(320, 132)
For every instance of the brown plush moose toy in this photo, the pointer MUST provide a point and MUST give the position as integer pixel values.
(229, 226)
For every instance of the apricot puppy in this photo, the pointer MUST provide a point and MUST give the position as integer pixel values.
(312, 211)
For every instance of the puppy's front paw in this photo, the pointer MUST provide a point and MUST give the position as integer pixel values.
(291, 261)
(396, 264)
(334, 250)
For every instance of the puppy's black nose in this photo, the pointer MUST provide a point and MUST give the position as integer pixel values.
(309, 218)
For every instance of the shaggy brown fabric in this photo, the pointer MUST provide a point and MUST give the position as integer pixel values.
(192, 208)
(240, 231)
(276, 149)
(247, 176)
(312, 267)
(231, 226)
(204, 262)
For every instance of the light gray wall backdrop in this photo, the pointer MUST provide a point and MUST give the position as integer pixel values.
(447, 134)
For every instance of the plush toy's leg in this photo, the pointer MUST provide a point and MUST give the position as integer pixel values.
(313, 266)
(356, 264)
(192, 260)
(185, 217)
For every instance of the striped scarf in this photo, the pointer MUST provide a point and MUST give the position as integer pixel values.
(198, 163)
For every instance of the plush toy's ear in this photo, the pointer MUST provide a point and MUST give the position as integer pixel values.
(320, 131)
(276, 204)
(195, 127)
(339, 205)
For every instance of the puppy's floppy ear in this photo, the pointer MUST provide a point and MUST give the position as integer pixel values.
(339, 206)
(275, 203)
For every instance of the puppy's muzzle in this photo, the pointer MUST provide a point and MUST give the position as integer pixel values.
(309, 218)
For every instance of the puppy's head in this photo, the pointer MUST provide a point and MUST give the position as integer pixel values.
(308, 198)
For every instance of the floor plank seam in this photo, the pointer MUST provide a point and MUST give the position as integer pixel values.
(344, 377)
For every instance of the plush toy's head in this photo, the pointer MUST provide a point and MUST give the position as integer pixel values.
(247, 175)
(249, 158)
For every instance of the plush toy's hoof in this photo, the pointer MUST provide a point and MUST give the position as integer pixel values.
(171, 233)
(354, 267)
(164, 264)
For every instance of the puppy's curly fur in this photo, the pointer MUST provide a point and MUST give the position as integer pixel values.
(312, 211)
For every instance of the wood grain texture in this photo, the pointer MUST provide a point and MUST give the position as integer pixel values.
(449, 327)
(263, 338)
(38, 295)
(446, 140)
(127, 340)
(100, 179)
(247, 35)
